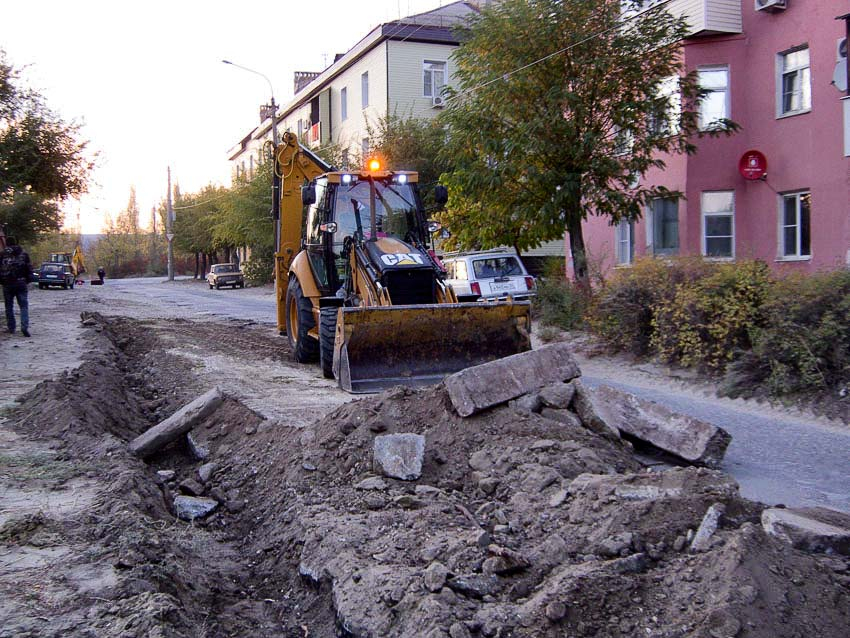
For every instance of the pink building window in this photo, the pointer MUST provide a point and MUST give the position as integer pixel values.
(795, 82)
(796, 225)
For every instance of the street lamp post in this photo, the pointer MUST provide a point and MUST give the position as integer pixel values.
(275, 176)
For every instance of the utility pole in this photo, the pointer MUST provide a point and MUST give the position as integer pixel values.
(169, 230)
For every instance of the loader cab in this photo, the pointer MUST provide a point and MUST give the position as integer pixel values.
(342, 210)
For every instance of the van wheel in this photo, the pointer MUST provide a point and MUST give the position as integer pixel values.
(327, 335)
(299, 321)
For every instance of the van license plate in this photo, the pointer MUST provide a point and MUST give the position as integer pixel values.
(498, 287)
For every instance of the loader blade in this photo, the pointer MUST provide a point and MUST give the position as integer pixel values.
(380, 347)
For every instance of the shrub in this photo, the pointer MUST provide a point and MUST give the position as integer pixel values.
(803, 343)
(623, 310)
(559, 303)
(706, 321)
(259, 270)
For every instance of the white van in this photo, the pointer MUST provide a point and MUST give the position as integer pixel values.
(488, 275)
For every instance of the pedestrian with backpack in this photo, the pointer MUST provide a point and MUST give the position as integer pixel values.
(15, 274)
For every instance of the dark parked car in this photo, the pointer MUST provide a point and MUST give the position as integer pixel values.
(54, 273)
(225, 275)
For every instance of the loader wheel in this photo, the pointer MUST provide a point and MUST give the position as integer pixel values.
(299, 321)
(327, 334)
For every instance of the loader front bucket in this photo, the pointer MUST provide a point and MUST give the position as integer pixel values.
(380, 347)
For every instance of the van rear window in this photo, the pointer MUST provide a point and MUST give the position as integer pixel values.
(496, 267)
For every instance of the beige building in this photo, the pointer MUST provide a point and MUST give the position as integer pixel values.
(399, 68)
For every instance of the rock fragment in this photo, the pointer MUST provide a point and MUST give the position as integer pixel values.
(190, 508)
(558, 395)
(702, 538)
(399, 455)
(191, 487)
(206, 471)
(371, 483)
(474, 585)
(435, 576)
(588, 412)
(556, 611)
(562, 416)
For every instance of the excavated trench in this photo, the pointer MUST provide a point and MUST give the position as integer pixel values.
(150, 574)
(518, 525)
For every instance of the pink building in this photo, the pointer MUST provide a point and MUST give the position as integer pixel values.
(777, 68)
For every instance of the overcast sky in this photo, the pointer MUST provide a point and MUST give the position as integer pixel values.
(147, 82)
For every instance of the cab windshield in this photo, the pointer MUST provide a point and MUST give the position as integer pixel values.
(395, 211)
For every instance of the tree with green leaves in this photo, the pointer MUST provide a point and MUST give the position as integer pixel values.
(245, 218)
(413, 144)
(558, 107)
(43, 159)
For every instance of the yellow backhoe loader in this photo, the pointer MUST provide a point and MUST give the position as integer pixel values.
(358, 287)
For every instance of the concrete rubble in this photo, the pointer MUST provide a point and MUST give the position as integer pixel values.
(689, 439)
(809, 529)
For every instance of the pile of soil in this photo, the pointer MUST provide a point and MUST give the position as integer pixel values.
(519, 525)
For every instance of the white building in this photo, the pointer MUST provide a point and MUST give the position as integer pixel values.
(399, 68)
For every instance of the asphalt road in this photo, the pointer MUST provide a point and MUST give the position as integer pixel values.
(776, 459)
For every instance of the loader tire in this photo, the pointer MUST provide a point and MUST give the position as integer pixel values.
(299, 321)
(327, 334)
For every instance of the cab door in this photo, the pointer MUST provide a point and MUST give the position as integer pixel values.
(315, 242)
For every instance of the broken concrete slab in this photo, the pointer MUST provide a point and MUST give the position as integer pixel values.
(177, 424)
(399, 455)
(683, 436)
(591, 418)
(480, 387)
(810, 529)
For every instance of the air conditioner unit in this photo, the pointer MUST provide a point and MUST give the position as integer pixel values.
(771, 5)
(840, 49)
(438, 101)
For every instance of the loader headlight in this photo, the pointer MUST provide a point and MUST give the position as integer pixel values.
(401, 179)
(347, 179)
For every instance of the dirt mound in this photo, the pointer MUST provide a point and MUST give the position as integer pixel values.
(517, 525)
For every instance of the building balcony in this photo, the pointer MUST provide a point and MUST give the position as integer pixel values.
(705, 17)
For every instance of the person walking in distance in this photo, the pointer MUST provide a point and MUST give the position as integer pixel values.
(15, 274)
